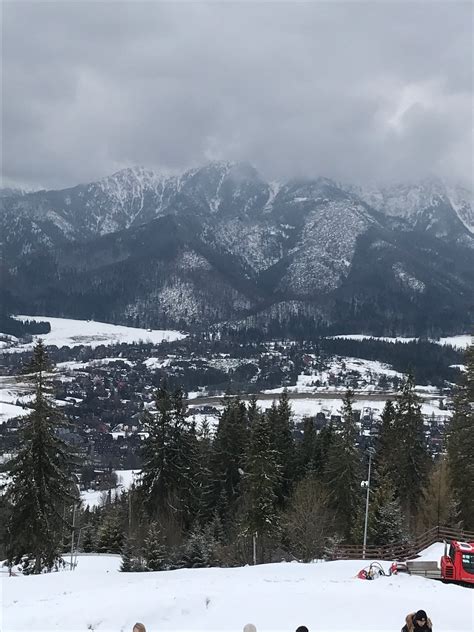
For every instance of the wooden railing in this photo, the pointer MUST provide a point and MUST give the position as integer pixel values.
(401, 550)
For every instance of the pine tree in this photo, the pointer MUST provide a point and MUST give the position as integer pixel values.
(385, 517)
(227, 461)
(198, 551)
(154, 550)
(306, 449)
(203, 477)
(343, 471)
(410, 452)
(384, 460)
(262, 477)
(110, 534)
(169, 461)
(88, 541)
(253, 411)
(128, 559)
(131, 557)
(43, 482)
(322, 446)
(282, 432)
(461, 444)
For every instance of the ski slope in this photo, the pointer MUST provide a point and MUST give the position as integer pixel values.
(324, 596)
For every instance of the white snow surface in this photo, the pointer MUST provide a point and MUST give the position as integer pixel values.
(324, 596)
(98, 497)
(11, 392)
(310, 406)
(8, 411)
(460, 342)
(71, 332)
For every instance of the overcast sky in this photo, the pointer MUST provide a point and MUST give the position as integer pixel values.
(356, 91)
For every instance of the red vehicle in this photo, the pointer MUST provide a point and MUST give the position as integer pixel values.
(457, 563)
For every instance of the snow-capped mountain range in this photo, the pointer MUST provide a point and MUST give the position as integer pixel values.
(219, 243)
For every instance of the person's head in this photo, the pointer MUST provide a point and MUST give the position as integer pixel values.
(420, 618)
(139, 627)
(302, 628)
(250, 628)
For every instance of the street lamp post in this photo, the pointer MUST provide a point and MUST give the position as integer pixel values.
(367, 498)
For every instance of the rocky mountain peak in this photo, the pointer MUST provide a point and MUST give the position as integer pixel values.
(220, 243)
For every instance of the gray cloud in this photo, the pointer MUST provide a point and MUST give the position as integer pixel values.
(356, 91)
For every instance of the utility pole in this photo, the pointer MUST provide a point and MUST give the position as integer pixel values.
(254, 542)
(72, 534)
(367, 498)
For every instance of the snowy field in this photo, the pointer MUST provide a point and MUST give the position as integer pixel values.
(311, 405)
(71, 333)
(125, 479)
(459, 342)
(325, 596)
(308, 407)
(13, 393)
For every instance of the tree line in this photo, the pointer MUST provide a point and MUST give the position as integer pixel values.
(20, 328)
(254, 489)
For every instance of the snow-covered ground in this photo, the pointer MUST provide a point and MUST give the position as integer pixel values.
(312, 380)
(70, 332)
(94, 498)
(11, 393)
(308, 407)
(8, 411)
(325, 596)
(311, 405)
(460, 342)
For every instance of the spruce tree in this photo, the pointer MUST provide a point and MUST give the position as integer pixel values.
(88, 541)
(409, 451)
(169, 461)
(282, 432)
(153, 549)
(203, 478)
(110, 534)
(385, 456)
(343, 471)
(262, 478)
(132, 560)
(128, 562)
(461, 444)
(306, 449)
(385, 525)
(43, 482)
(253, 410)
(198, 551)
(322, 446)
(227, 461)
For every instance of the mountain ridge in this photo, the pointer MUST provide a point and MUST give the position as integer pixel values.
(220, 244)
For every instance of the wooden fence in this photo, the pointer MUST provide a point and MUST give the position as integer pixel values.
(401, 551)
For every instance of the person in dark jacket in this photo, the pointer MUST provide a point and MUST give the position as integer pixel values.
(417, 622)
